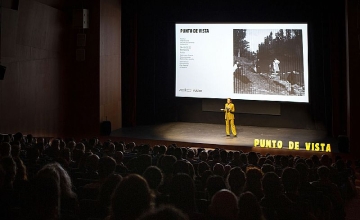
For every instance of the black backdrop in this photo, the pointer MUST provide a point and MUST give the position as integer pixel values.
(148, 60)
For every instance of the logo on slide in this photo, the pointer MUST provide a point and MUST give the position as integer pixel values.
(184, 90)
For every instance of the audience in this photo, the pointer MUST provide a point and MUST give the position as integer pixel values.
(91, 179)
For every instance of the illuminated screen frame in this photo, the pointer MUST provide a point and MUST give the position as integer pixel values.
(209, 66)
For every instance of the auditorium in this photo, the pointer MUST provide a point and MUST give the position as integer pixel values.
(114, 109)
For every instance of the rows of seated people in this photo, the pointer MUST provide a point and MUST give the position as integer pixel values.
(92, 180)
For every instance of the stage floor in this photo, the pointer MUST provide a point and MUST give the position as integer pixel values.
(197, 134)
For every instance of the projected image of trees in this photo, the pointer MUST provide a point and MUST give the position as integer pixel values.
(268, 62)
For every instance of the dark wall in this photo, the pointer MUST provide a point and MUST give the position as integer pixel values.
(46, 92)
(34, 47)
(155, 59)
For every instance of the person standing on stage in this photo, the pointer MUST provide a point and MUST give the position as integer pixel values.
(229, 117)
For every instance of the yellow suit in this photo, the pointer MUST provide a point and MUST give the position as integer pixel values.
(229, 118)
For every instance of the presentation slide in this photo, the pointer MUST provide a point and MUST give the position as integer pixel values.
(266, 62)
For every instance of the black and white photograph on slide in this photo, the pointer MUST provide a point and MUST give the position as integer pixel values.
(268, 62)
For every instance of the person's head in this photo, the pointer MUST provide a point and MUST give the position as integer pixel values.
(91, 162)
(253, 181)
(267, 168)
(77, 155)
(110, 150)
(190, 154)
(249, 207)
(65, 154)
(243, 158)
(184, 151)
(253, 158)
(18, 136)
(236, 155)
(39, 140)
(71, 145)
(92, 142)
(15, 151)
(323, 172)
(253, 174)
(32, 154)
(130, 146)
(119, 157)
(261, 161)
(162, 149)
(284, 161)
(181, 166)
(164, 212)
(46, 194)
(106, 166)
(21, 172)
(65, 180)
(9, 138)
(167, 163)
(203, 156)
(309, 163)
(303, 171)
(131, 198)
(271, 184)
(2, 177)
(230, 155)
(290, 179)
(178, 153)
(340, 165)
(182, 192)
(5, 149)
(153, 176)
(9, 166)
(120, 147)
(228, 100)
(29, 139)
(219, 169)
(315, 159)
(80, 146)
(270, 159)
(202, 167)
(214, 183)
(224, 205)
(325, 160)
(142, 162)
(224, 155)
(236, 180)
(108, 188)
(55, 144)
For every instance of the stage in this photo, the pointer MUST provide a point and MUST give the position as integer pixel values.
(267, 139)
